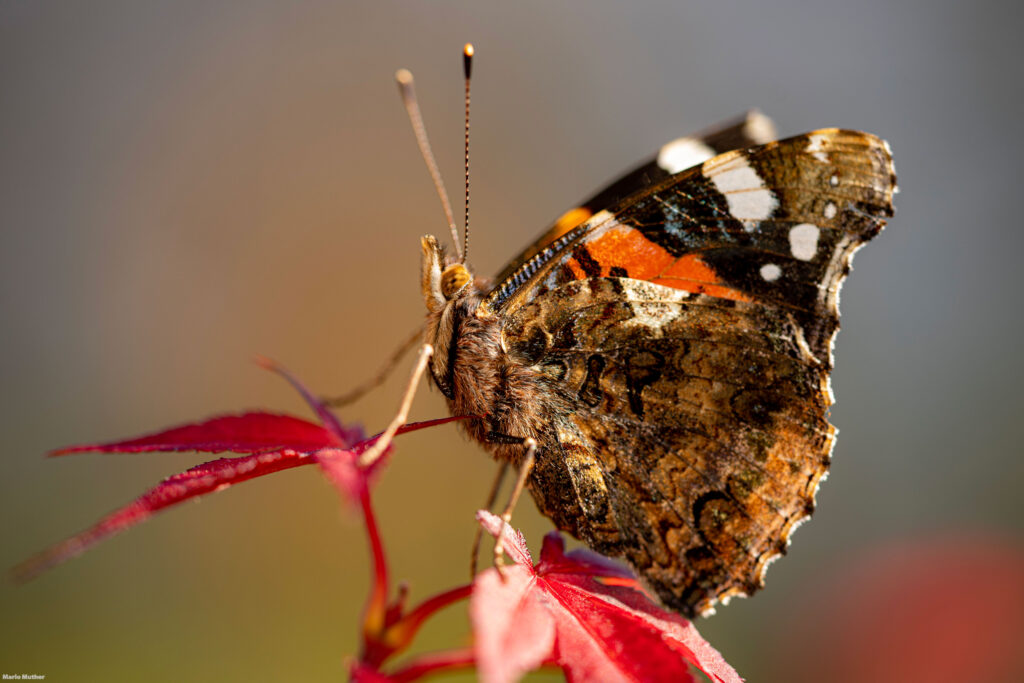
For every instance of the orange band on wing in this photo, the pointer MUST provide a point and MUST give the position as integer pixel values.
(622, 247)
(693, 275)
(642, 259)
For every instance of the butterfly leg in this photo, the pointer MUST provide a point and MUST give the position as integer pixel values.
(378, 379)
(378, 448)
(525, 467)
(491, 497)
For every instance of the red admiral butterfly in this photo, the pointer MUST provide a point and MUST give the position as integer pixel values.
(657, 363)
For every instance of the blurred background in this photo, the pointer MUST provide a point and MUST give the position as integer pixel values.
(186, 184)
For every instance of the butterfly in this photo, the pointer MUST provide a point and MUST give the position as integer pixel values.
(661, 354)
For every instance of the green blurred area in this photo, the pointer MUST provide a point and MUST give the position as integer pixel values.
(186, 184)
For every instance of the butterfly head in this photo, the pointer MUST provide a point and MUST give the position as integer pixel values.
(447, 289)
(444, 279)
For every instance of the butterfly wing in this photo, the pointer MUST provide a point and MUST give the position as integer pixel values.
(689, 326)
(777, 224)
(753, 128)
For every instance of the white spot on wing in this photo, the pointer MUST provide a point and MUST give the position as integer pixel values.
(770, 272)
(834, 180)
(749, 200)
(815, 148)
(653, 315)
(682, 154)
(654, 306)
(803, 241)
(830, 211)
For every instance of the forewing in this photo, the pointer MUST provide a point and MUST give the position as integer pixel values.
(776, 224)
(749, 130)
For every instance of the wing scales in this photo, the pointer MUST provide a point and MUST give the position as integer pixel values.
(689, 326)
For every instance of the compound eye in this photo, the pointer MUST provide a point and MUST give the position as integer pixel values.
(453, 279)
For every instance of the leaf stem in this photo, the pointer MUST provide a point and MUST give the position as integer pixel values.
(424, 665)
(375, 613)
(401, 633)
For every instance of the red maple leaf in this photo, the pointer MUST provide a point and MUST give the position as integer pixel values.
(268, 443)
(582, 612)
(254, 432)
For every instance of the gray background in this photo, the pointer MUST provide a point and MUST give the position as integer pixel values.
(186, 184)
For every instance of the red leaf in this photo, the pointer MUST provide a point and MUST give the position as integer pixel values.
(515, 631)
(253, 432)
(197, 481)
(272, 442)
(564, 610)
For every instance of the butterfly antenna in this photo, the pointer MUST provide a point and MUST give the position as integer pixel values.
(467, 68)
(412, 108)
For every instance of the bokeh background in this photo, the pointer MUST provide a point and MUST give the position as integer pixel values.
(186, 184)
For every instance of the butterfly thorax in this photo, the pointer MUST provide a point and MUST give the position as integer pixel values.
(471, 367)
